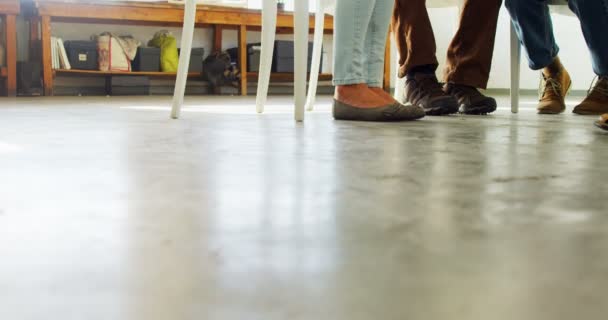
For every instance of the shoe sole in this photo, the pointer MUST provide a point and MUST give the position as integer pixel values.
(588, 113)
(601, 125)
(478, 110)
(440, 111)
(437, 111)
(550, 112)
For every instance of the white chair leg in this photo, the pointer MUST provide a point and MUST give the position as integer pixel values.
(184, 59)
(301, 27)
(316, 55)
(515, 70)
(269, 26)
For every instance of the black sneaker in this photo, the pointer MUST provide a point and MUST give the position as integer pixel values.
(470, 100)
(423, 90)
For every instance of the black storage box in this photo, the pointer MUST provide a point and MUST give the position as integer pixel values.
(283, 56)
(282, 59)
(129, 86)
(82, 54)
(196, 60)
(147, 59)
(253, 57)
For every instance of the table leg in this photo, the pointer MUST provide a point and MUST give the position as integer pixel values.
(218, 38)
(184, 58)
(47, 64)
(301, 31)
(243, 58)
(11, 55)
(269, 27)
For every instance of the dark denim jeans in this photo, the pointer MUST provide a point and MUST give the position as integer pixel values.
(535, 29)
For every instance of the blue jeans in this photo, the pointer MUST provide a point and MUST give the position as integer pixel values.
(360, 31)
(534, 27)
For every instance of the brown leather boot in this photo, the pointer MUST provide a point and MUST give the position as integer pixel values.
(424, 90)
(471, 101)
(555, 85)
(596, 101)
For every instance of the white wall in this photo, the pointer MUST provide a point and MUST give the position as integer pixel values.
(574, 52)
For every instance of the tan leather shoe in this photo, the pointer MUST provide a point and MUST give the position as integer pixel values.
(596, 101)
(555, 85)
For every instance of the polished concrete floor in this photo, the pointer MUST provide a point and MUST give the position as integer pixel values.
(111, 211)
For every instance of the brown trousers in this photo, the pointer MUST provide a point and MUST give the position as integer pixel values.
(469, 58)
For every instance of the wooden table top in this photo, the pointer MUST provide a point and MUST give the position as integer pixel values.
(153, 4)
(10, 7)
(156, 11)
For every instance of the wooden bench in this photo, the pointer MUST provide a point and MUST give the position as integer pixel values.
(159, 14)
(9, 9)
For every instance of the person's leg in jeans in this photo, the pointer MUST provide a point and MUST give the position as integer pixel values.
(354, 99)
(351, 26)
(469, 57)
(532, 21)
(350, 48)
(375, 45)
(593, 15)
(417, 59)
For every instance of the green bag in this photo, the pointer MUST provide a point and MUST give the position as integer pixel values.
(169, 57)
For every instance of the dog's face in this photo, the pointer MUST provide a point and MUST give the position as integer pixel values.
(219, 70)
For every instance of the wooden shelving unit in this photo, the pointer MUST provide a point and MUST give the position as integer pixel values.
(160, 14)
(75, 72)
(9, 10)
(278, 76)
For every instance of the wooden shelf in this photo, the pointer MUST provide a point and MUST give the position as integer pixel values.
(275, 76)
(161, 13)
(119, 73)
(3, 72)
(280, 76)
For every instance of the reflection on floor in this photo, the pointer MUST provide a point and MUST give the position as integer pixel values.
(109, 210)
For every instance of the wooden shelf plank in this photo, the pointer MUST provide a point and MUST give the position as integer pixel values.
(10, 7)
(118, 73)
(276, 76)
(279, 76)
(144, 13)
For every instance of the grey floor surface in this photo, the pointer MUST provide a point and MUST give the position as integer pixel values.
(109, 210)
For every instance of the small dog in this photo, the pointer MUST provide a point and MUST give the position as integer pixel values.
(219, 70)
